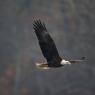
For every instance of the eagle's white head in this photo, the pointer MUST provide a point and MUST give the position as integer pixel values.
(64, 62)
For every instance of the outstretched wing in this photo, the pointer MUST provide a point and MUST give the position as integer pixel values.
(46, 43)
(77, 61)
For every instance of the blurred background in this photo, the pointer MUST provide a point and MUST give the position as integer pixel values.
(71, 23)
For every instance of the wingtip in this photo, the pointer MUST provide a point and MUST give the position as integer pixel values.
(83, 58)
(38, 25)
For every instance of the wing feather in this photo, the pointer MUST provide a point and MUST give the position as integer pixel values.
(46, 43)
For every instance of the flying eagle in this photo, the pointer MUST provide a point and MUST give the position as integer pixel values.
(48, 48)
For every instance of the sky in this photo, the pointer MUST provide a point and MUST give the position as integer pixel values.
(70, 23)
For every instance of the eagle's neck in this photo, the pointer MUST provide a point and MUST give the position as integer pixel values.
(64, 62)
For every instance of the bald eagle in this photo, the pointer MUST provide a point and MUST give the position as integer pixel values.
(48, 48)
